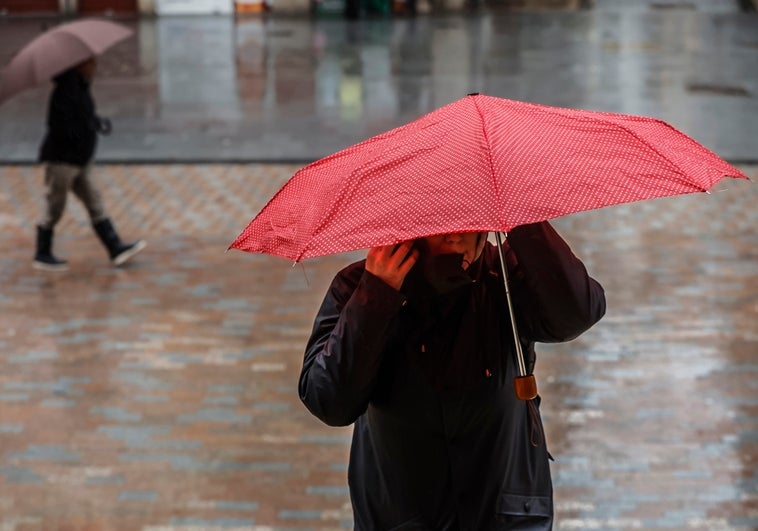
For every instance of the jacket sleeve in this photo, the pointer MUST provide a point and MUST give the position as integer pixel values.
(555, 299)
(345, 349)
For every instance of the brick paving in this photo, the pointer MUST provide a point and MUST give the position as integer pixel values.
(162, 396)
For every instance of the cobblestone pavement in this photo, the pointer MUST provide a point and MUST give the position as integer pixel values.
(162, 396)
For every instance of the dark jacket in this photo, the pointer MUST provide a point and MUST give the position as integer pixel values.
(72, 124)
(440, 440)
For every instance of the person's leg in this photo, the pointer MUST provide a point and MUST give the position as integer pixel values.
(58, 179)
(85, 189)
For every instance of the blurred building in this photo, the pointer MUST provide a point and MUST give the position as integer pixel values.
(242, 7)
(141, 7)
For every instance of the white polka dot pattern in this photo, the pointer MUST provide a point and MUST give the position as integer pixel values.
(478, 164)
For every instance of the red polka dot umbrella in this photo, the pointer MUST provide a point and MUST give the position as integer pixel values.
(478, 164)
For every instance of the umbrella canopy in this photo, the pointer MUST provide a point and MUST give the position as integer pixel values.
(58, 50)
(478, 164)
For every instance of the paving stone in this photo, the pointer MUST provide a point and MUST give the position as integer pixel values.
(162, 395)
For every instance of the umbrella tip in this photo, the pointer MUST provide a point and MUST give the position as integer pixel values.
(472, 94)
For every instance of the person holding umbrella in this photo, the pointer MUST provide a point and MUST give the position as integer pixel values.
(67, 151)
(426, 346)
(66, 55)
(413, 346)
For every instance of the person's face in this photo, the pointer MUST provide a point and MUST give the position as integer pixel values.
(469, 244)
(87, 69)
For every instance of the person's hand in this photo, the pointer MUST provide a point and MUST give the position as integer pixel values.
(103, 126)
(392, 262)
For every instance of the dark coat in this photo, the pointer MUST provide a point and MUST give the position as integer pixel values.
(72, 124)
(440, 440)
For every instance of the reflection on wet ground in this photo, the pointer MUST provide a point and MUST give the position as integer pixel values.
(273, 89)
(163, 396)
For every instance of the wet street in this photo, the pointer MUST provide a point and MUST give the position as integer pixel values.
(296, 89)
(162, 396)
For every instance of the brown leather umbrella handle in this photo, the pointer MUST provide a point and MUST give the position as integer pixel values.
(525, 386)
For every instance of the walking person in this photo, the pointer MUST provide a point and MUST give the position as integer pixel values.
(67, 151)
(414, 347)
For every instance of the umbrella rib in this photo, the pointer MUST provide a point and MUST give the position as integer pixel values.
(336, 199)
(489, 159)
(645, 142)
(333, 204)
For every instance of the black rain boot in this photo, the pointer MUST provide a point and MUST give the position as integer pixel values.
(44, 258)
(119, 251)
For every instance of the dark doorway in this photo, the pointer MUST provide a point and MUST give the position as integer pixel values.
(107, 6)
(29, 6)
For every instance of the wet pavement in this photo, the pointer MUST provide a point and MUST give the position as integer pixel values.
(295, 89)
(162, 396)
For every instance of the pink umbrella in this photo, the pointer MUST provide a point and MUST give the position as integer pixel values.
(479, 164)
(58, 50)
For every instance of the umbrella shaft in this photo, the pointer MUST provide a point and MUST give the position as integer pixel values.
(516, 340)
